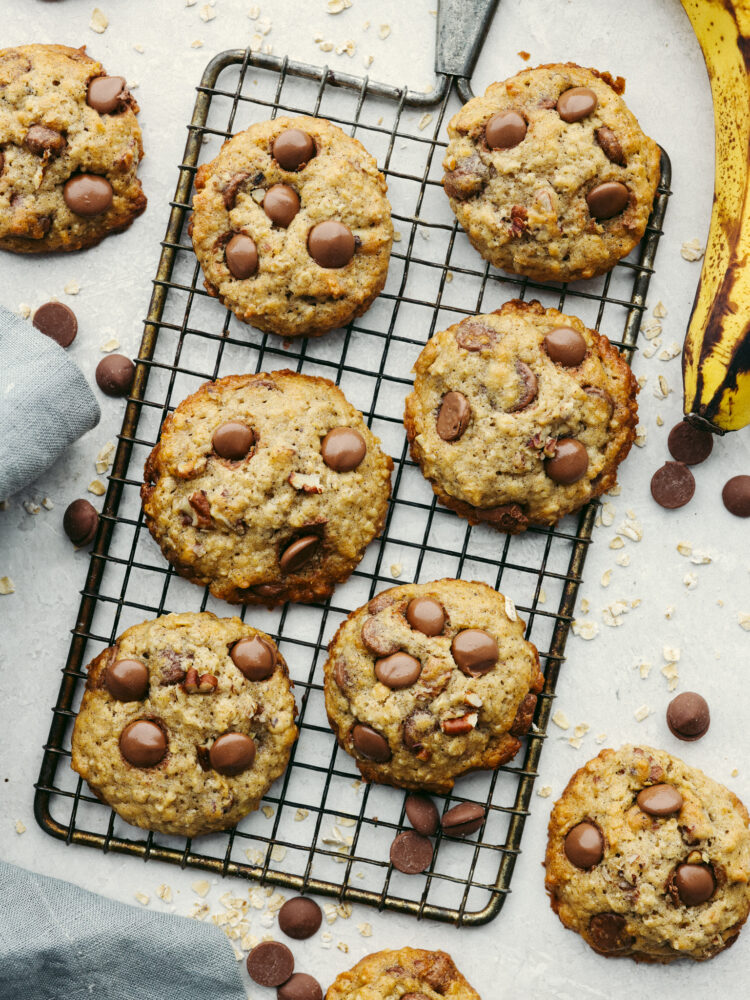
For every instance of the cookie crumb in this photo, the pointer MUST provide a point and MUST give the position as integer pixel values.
(585, 629)
(165, 892)
(337, 6)
(365, 929)
(197, 44)
(20, 828)
(396, 570)
(253, 13)
(544, 792)
(109, 345)
(99, 21)
(384, 31)
(301, 815)
(367, 61)
(692, 250)
(424, 121)
(743, 618)
(561, 720)
(72, 288)
(642, 713)
(669, 611)
(267, 811)
(735, 772)
(206, 13)
(143, 898)
(6, 585)
(690, 580)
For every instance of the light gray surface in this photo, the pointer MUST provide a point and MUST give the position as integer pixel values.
(526, 949)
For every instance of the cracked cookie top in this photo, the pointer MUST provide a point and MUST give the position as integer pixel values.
(407, 974)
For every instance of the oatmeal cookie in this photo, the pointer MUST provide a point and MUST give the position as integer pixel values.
(292, 227)
(520, 416)
(648, 858)
(185, 723)
(429, 681)
(70, 146)
(407, 974)
(550, 174)
(266, 488)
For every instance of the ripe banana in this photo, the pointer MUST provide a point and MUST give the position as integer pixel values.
(716, 356)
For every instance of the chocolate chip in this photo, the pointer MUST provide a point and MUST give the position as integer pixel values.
(659, 800)
(233, 440)
(115, 374)
(689, 444)
(281, 204)
(417, 726)
(610, 145)
(232, 753)
(695, 884)
(529, 387)
(270, 963)
(524, 715)
(254, 657)
(300, 917)
(576, 103)
(241, 256)
(475, 336)
(467, 179)
(422, 813)
(267, 590)
(584, 845)
(399, 670)
(343, 448)
(607, 199)
(370, 744)
(411, 853)
(88, 194)
(143, 743)
(736, 496)
(300, 987)
(475, 651)
(376, 639)
(505, 130)
(688, 716)
(107, 94)
(569, 463)
(80, 522)
(57, 321)
(41, 140)
(426, 615)
(231, 189)
(673, 485)
(608, 932)
(463, 819)
(565, 346)
(298, 553)
(293, 149)
(331, 244)
(453, 416)
(127, 680)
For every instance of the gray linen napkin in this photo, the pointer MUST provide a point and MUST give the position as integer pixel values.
(45, 403)
(58, 941)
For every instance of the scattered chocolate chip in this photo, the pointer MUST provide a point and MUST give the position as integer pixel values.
(688, 716)
(298, 553)
(300, 917)
(475, 651)
(115, 374)
(467, 179)
(584, 845)
(127, 680)
(300, 987)
(376, 639)
(463, 819)
(695, 884)
(331, 244)
(232, 753)
(608, 932)
(659, 800)
(689, 444)
(426, 615)
(41, 140)
(370, 744)
(529, 387)
(610, 145)
(241, 256)
(254, 657)
(475, 336)
(576, 103)
(343, 449)
(399, 670)
(80, 522)
(58, 321)
(453, 416)
(411, 853)
(88, 194)
(281, 204)
(565, 346)
(233, 440)
(422, 813)
(107, 94)
(569, 463)
(293, 149)
(736, 496)
(673, 485)
(505, 130)
(143, 743)
(607, 199)
(270, 963)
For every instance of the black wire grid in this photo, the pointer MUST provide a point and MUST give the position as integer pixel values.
(321, 829)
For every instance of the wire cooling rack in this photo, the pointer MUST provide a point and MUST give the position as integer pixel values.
(321, 829)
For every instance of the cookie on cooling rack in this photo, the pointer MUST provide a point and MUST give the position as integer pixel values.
(185, 723)
(520, 416)
(409, 973)
(292, 227)
(648, 858)
(550, 174)
(266, 488)
(70, 148)
(429, 681)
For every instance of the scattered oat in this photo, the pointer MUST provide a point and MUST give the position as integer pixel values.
(337, 6)
(424, 121)
(641, 713)
(197, 44)
(560, 719)
(642, 380)
(349, 48)
(735, 772)
(199, 911)
(617, 543)
(367, 61)
(104, 457)
(600, 737)
(585, 605)
(278, 853)
(206, 13)
(72, 288)
(660, 310)
(139, 48)
(47, 503)
(651, 329)
(608, 514)
(700, 558)
(253, 13)
(691, 250)
(690, 580)
(544, 792)
(264, 25)
(20, 828)
(98, 22)
(449, 276)
(684, 548)
(396, 570)
(578, 733)
(6, 585)
(267, 811)
(202, 887)
(584, 628)
(384, 31)
(662, 390)
(671, 654)
(165, 892)
(640, 437)
(672, 674)
(644, 668)
(743, 618)
(365, 929)
(606, 578)
(97, 488)
(612, 614)
(669, 611)
(510, 610)
(24, 310)
(672, 350)
(31, 507)
(542, 596)
(142, 898)
(623, 560)
(301, 815)
(396, 236)
(109, 345)
(343, 946)
(324, 46)
(190, 3)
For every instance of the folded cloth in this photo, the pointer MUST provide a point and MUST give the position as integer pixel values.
(58, 941)
(45, 403)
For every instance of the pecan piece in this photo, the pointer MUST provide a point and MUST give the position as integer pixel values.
(230, 189)
(40, 140)
(524, 715)
(518, 220)
(438, 971)
(467, 179)
(460, 725)
(205, 684)
(199, 502)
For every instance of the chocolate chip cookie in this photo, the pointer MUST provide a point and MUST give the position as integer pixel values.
(185, 723)
(520, 416)
(429, 681)
(550, 174)
(648, 858)
(292, 227)
(408, 974)
(70, 146)
(266, 488)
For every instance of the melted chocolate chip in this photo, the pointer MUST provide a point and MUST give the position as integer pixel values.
(293, 149)
(426, 615)
(607, 199)
(143, 743)
(576, 103)
(467, 179)
(463, 819)
(127, 680)
(659, 800)
(40, 140)
(505, 130)
(584, 845)
(300, 917)
(475, 651)
(343, 449)
(298, 553)
(608, 932)
(399, 670)
(569, 463)
(565, 346)
(107, 94)
(331, 244)
(281, 204)
(241, 256)
(673, 485)
(233, 440)
(115, 374)
(422, 813)
(688, 716)
(370, 744)
(231, 189)
(475, 336)
(529, 387)
(232, 754)
(453, 416)
(254, 657)
(80, 522)
(411, 853)
(88, 194)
